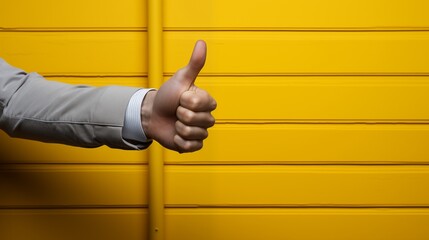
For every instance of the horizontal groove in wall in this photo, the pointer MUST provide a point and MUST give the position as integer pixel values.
(321, 121)
(73, 167)
(71, 207)
(306, 74)
(295, 163)
(73, 29)
(292, 29)
(113, 78)
(93, 75)
(5, 164)
(208, 29)
(237, 75)
(12, 165)
(291, 206)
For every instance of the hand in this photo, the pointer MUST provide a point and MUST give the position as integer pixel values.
(179, 113)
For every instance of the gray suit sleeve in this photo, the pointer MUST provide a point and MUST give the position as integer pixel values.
(34, 108)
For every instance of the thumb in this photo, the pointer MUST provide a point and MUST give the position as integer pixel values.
(196, 63)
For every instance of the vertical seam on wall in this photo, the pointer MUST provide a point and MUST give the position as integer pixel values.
(156, 160)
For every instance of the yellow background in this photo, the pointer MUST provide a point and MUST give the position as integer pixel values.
(322, 126)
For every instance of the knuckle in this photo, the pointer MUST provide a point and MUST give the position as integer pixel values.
(187, 146)
(191, 146)
(189, 116)
(186, 132)
(180, 113)
(183, 130)
(195, 102)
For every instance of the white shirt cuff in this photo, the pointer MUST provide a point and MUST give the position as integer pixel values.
(133, 130)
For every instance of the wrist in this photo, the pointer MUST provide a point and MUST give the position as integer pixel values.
(146, 113)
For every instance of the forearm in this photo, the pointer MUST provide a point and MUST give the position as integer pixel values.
(34, 108)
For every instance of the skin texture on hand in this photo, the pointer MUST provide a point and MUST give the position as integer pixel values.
(179, 113)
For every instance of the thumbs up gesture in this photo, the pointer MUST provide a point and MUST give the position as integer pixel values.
(179, 113)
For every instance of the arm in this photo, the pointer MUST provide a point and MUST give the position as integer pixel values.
(34, 108)
(177, 115)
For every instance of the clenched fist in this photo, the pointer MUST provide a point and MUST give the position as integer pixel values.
(179, 113)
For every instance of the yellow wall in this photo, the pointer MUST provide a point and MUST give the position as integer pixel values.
(322, 126)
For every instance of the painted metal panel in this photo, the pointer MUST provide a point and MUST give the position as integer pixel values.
(310, 14)
(297, 224)
(62, 185)
(301, 186)
(72, 224)
(76, 53)
(273, 53)
(239, 14)
(311, 144)
(334, 98)
(303, 53)
(72, 15)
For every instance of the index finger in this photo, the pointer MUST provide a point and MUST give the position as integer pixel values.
(198, 100)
